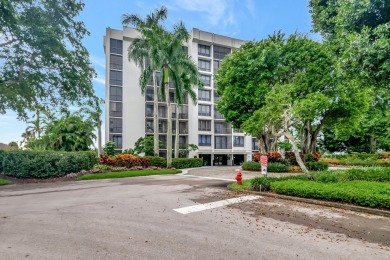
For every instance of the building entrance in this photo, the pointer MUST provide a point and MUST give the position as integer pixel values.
(238, 159)
(220, 159)
(206, 159)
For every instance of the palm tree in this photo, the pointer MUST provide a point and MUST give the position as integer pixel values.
(178, 68)
(141, 51)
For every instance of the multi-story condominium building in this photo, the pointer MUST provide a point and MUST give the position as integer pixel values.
(129, 114)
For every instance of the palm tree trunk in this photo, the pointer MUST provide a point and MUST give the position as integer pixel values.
(169, 132)
(155, 117)
(177, 132)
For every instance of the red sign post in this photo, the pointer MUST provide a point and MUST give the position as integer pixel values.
(263, 163)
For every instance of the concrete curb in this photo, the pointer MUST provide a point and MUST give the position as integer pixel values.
(379, 212)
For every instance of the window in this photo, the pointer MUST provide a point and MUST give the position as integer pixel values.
(255, 144)
(222, 128)
(182, 141)
(116, 46)
(115, 77)
(217, 64)
(204, 110)
(116, 109)
(204, 95)
(117, 139)
(149, 110)
(238, 141)
(162, 126)
(206, 79)
(217, 115)
(204, 140)
(221, 142)
(115, 125)
(116, 62)
(183, 128)
(149, 95)
(115, 93)
(203, 50)
(220, 52)
(204, 125)
(162, 111)
(185, 49)
(149, 126)
(204, 65)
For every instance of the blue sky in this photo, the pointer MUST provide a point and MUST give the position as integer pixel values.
(242, 19)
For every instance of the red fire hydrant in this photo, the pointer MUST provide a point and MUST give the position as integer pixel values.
(239, 178)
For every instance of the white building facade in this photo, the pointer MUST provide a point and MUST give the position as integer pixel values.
(129, 114)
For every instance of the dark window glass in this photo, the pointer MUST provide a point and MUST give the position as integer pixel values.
(206, 79)
(204, 140)
(238, 141)
(115, 93)
(149, 95)
(117, 139)
(204, 95)
(116, 109)
(149, 110)
(116, 46)
(149, 128)
(116, 62)
(221, 142)
(217, 64)
(204, 125)
(220, 52)
(204, 110)
(115, 125)
(217, 115)
(255, 144)
(203, 50)
(115, 77)
(222, 128)
(204, 65)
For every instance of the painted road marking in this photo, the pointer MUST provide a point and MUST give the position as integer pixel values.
(204, 177)
(216, 204)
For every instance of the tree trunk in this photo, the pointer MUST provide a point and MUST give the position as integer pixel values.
(177, 132)
(306, 137)
(99, 127)
(262, 148)
(372, 144)
(296, 153)
(156, 145)
(169, 132)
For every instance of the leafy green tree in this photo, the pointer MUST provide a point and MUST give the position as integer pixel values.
(359, 33)
(144, 56)
(42, 56)
(244, 79)
(13, 145)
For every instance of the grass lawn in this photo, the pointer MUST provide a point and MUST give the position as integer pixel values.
(368, 187)
(125, 174)
(4, 182)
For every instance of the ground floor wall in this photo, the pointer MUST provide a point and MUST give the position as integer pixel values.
(221, 159)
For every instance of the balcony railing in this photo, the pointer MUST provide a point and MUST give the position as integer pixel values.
(204, 113)
(223, 130)
(218, 115)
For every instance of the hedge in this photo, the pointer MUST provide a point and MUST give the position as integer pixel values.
(272, 167)
(157, 161)
(371, 194)
(181, 163)
(46, 164)
(368, 174)
(317, 166)
(2, 154)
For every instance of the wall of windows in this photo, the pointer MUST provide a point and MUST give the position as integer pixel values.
(220, 52)
(116, 46)
(204, 140)
(204, 110)
(238, 141)
(204, 95)
(206, 79)
(204, 65)
(204, 125)
(116, 109)
(115, 125)
(115, 93)
(203, 50)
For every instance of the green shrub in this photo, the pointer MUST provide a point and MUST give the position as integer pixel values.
(46, 164)
(383, 162)
(284, 161)
(277, 167)
(262, 183)
(358, 162)
(309, 157)
(317, 166)
(371, 194)
(157, 161)
(181, 163)
(251, 166)
(2, 154)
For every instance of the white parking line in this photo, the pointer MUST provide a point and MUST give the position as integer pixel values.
(216, 204)
(204, 177)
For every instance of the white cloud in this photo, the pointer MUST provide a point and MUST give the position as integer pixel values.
(250, 6)
(101, 62)
(215, 11)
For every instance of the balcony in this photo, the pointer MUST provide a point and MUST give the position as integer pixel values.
(223, 131)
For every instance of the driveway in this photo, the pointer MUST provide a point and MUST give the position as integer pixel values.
(177, 217)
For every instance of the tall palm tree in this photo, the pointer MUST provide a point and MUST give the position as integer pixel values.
(178, 68)
(141, 52)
